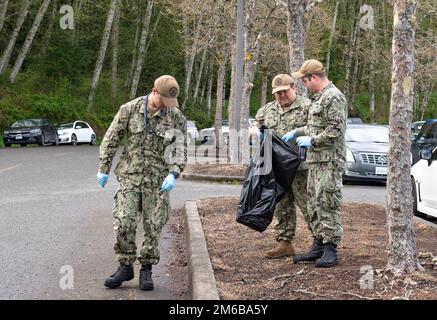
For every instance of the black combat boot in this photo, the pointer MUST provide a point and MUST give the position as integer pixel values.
(315, 252)
(146, 282)
(123, 273)
(329, 258)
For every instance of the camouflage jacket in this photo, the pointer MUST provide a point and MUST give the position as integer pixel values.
(148, 155)
(327, 125)
(284, 120)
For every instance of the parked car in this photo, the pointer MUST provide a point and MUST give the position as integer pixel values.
(28, 131)
(193, 133)
(207, 133)
(76, 132)
(424, 181)
(366, 153)
(354, 121)
(425, 139)
(415, 128)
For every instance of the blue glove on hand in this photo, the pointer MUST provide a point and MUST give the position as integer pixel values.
(304, 141)
(289, 136)
(168, 183)
(102, 178)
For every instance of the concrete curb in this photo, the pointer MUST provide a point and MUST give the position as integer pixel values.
(200, 273)
(211, 178)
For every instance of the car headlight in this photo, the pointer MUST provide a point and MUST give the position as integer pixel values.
(349, 156)
(5, 132)
(62, 133)
(35, 131)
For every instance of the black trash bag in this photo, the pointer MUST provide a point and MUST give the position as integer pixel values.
(264, 188)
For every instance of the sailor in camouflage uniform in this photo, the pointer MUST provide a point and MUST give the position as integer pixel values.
(153, 157)
(286, 112)
(324, 138)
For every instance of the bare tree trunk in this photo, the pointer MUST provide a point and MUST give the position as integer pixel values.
(264, 88)
(350, 57)
(134, 56)
(28, 42)
(48, 35)
(425, 100)
(372, 73)
(331, 36)
(199, 74)
(102, 52)
(153, 31)
(77, 14)
(4, 8)
(142, 50)
(8, 51)
(402, 256)
(209, 94)
(296, 35)
(233, 134)
(115, 52)
(219, 98)
(189, 62)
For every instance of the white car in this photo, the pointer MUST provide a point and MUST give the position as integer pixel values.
(193, 134)
(76, 132)
(424, 180)
(208, 133)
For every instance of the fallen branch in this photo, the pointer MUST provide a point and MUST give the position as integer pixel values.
(285, 276)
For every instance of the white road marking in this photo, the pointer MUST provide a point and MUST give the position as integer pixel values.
(10, 168)
(62, 154)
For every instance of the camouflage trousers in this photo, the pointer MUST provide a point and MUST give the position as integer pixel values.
(324, 200)
(285, 213)
(130, 206)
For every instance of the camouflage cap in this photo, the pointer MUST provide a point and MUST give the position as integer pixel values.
(309, 67)
(282, 82)
(168, 89)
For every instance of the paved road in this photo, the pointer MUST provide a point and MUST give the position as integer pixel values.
(53, 214)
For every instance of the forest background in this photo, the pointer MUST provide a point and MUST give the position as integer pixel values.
(82, 59)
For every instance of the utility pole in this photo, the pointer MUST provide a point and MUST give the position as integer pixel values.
(239, 61)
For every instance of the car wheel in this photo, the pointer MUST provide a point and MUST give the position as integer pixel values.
(414, 191)
(73, 140)
(93, 140)
(56, 143)
(43, 140)
(7, 145)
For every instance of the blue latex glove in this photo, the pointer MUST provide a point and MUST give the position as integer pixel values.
(304, 141)
(289, 136)
(168, 183)
(102, 178)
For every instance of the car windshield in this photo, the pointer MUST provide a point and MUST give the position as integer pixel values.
(366, 134)
(65, 126)
(225, 122)
(24, 123)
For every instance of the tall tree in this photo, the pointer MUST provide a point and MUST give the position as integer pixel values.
(402, 257)
(114, 63)
(3, 9)
(8, 51)
(102, 52)
(331, 36)
(29, 39)
(142, 49)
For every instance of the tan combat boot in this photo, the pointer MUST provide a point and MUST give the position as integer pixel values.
(284, 249)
